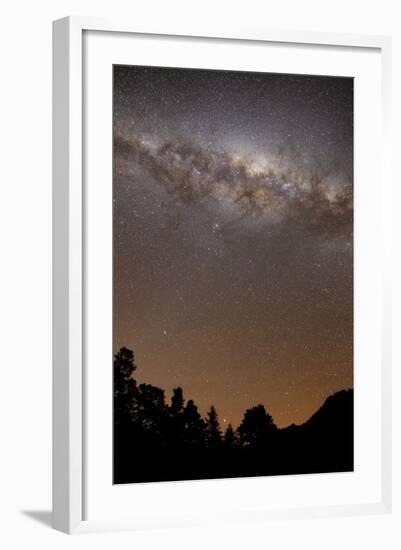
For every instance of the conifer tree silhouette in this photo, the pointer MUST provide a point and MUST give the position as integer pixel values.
(256, 426)
(212, 430)
(230, 437)
(194, 427)
(177, 401)
(124, 385)
(124, 367)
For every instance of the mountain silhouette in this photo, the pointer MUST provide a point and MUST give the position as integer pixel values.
(325, 442)
(335, 412)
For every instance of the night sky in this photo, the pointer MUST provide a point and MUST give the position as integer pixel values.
(233, 236)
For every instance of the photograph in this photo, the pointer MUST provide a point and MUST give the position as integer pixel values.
(233, 274)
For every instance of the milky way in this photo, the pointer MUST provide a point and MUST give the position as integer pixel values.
(233, 217)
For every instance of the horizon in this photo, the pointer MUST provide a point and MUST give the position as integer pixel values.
(224, 422)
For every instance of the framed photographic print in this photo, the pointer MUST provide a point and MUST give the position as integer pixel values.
(221, 305)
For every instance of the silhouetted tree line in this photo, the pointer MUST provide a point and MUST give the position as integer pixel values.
(159, 441)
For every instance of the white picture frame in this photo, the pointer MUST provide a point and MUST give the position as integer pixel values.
(70, 251)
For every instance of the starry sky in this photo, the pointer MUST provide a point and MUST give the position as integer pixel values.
(233, 236)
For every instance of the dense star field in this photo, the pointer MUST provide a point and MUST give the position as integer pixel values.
(233, 244)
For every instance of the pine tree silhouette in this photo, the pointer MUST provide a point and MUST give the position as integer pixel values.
(230, 437)
(212, 431)
(256, 426)
(124, 367)
(124, 385)
(194, 426)
(177, 401)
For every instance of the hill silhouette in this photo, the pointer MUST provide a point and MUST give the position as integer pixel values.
(157, 441)
(325, 442)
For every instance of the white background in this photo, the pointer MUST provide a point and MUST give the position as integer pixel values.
(25, 218)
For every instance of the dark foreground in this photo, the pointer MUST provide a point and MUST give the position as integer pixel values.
(154, 441)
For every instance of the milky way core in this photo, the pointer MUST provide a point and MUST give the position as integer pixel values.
(233, 236)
